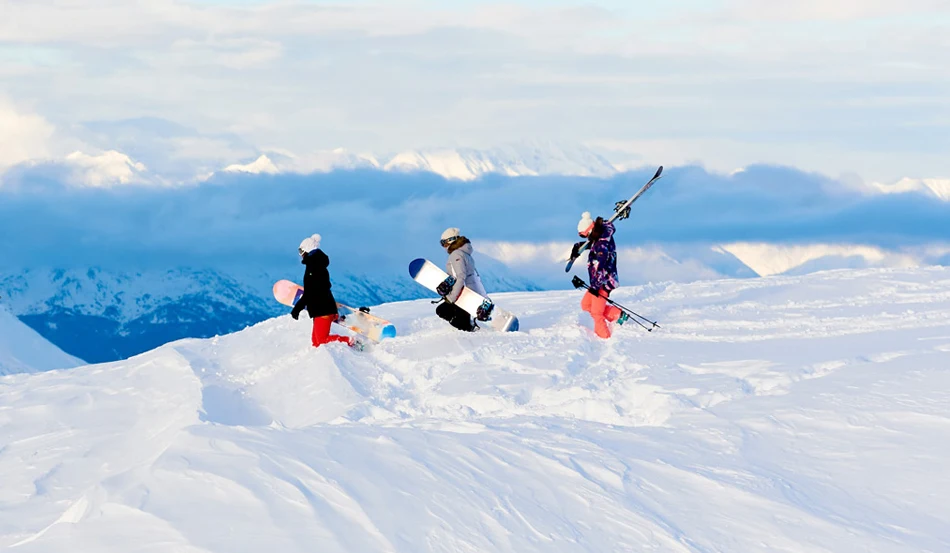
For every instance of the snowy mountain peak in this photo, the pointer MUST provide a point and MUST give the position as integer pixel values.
(464, 164)
(938, 188)
(262, 164)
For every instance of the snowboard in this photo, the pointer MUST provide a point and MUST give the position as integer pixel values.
(431, 276)
(358, 320)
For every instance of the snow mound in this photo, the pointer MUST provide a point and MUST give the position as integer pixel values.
(22, 350)
(765, 415)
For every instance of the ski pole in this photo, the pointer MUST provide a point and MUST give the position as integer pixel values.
(578, 283)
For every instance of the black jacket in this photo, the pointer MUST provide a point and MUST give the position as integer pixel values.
(317, 298)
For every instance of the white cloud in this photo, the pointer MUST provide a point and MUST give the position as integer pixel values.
(774, 259)
(834, 10)
(23, 136)
(746, 80)
(106, 169)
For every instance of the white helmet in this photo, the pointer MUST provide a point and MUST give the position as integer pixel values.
(450, 235)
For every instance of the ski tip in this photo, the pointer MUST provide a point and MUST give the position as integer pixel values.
(658, 172)
(416, 266)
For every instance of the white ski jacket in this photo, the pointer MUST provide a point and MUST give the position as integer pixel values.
(461, 266)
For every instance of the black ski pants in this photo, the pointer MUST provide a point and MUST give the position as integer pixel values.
(455, 315)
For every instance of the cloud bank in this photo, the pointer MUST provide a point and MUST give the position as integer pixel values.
(373, 220)
(834, 86)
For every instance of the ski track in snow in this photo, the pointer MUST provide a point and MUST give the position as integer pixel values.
(779, 414)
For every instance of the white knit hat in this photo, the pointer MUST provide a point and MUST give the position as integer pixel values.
(585, 224)
(451, 232)
(310, 243)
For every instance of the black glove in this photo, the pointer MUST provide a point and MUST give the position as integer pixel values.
(295, 314)
(578, 283)
(576, 250)
(593, 291)
(622, 214)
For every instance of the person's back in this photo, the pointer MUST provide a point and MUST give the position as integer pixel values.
(461, 265)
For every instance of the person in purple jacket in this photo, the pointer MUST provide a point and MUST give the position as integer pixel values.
(602, 268)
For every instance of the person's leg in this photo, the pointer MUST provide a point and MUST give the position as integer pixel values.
(585, 301)
(611, 312)
(455, 315)
(597, 307)
(321, 332)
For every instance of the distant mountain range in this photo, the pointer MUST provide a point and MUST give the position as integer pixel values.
(524, 159)
(100, 315)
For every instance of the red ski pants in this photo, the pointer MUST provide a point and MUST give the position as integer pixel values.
(321, 332)
(600, 312)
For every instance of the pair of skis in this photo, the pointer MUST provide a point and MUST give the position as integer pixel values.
(622, 211)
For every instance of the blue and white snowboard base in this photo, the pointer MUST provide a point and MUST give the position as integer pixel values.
(431, 276)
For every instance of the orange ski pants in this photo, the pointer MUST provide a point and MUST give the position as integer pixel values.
(321, 332)
(600, 312)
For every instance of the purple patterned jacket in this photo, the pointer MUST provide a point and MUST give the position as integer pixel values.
(602, 261)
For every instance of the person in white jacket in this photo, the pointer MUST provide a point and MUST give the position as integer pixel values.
(461, 266)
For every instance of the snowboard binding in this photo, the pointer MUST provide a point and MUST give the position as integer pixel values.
(445, 286)
(483, 313)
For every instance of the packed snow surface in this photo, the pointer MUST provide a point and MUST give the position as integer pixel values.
(789, 414)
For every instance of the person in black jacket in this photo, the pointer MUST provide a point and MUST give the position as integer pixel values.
(317, 298)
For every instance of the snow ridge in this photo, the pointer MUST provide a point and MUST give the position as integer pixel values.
(688, 438)
(22, 350)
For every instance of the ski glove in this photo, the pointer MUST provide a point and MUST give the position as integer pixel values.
(295, 314)
(576, 250)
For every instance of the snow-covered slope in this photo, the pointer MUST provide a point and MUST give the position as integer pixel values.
(779, 414)
(22, 350)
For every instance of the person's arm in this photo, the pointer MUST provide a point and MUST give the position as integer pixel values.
(456, 270)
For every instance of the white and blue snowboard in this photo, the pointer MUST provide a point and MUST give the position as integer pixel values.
(431, 276)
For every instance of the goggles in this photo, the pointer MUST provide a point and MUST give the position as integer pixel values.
(446, 241)
(301, 252)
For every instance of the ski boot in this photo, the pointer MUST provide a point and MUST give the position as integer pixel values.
(623, 318)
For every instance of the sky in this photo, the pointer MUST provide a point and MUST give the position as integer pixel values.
(839, 87)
